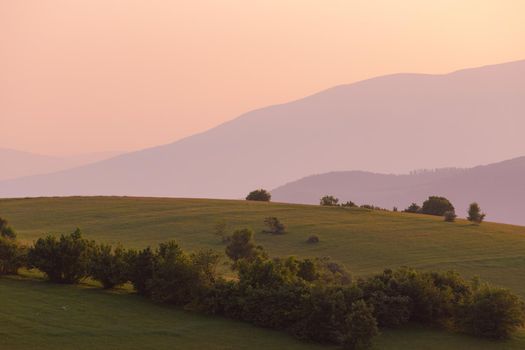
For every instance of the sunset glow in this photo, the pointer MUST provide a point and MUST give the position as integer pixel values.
(75, 74)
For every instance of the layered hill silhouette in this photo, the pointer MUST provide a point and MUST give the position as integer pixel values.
(499, 189)
(19, 164)
(387, 124)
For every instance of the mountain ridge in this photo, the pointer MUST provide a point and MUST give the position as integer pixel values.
(498, 188)
(364, 125)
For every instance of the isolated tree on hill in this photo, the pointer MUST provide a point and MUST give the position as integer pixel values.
(474, 214)
(274, 226)
(413, 208)
(5, 230)
(437, 206)
(329, 201)
(260, 195)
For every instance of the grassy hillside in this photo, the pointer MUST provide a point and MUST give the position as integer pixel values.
(366, 241)
(48, 316)
(42, 315)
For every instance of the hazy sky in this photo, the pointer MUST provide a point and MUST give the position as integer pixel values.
(97, 75)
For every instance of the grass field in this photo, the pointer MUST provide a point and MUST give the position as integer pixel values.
(366, 241)
(39, 315)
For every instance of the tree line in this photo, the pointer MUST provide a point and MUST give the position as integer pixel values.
(314, 299)
(434, 205)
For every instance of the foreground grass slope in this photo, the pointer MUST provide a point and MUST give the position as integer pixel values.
(42, 315)
(366, 241)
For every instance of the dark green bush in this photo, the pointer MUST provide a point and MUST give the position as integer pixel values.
(259, 195)
(363, 327)
(64, 259)
(329, 201)
(242, 246)
(437, 206)
(274, 226)
(474, 214)
(6, 231)
(108, 265)
(12, 256)
(140, 269)
(313, 239)
(175, 279)
(413, 208)
(492, 313)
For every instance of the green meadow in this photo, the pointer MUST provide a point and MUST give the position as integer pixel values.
(39, 315)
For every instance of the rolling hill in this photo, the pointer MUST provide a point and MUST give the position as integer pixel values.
(366, 241)
(20, 164)
(382, 125)
(48, 316)
(499, 189)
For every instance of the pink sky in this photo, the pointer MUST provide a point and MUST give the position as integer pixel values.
(101, 75)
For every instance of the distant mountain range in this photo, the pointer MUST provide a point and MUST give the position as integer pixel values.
(387, 124)
(16, 164)
(498, 188)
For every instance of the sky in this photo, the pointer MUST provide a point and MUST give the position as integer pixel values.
(119, 75)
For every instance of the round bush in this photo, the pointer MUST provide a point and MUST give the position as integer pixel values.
(313, 239)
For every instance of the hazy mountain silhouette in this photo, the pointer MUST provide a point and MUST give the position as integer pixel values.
(388, 124)
(499, 189)
(18, 163)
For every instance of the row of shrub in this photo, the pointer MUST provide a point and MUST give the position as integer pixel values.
(441, 206)
(313, 299)
(434, 205)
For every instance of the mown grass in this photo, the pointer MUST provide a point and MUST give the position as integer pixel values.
(366, 241)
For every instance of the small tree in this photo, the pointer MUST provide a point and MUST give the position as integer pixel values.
(413, 208)
(206, 263)
(329, 201)
(437, 206)
(5, 230)
(363, 327)
(349, 204)
(242, 246)
(12, 256)
(474, 214)
(108, 266)
(140, 269)
(174, 280)
(450, 216)
(274, 226)
(493, 313)
(259, 195)
(63, 260)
